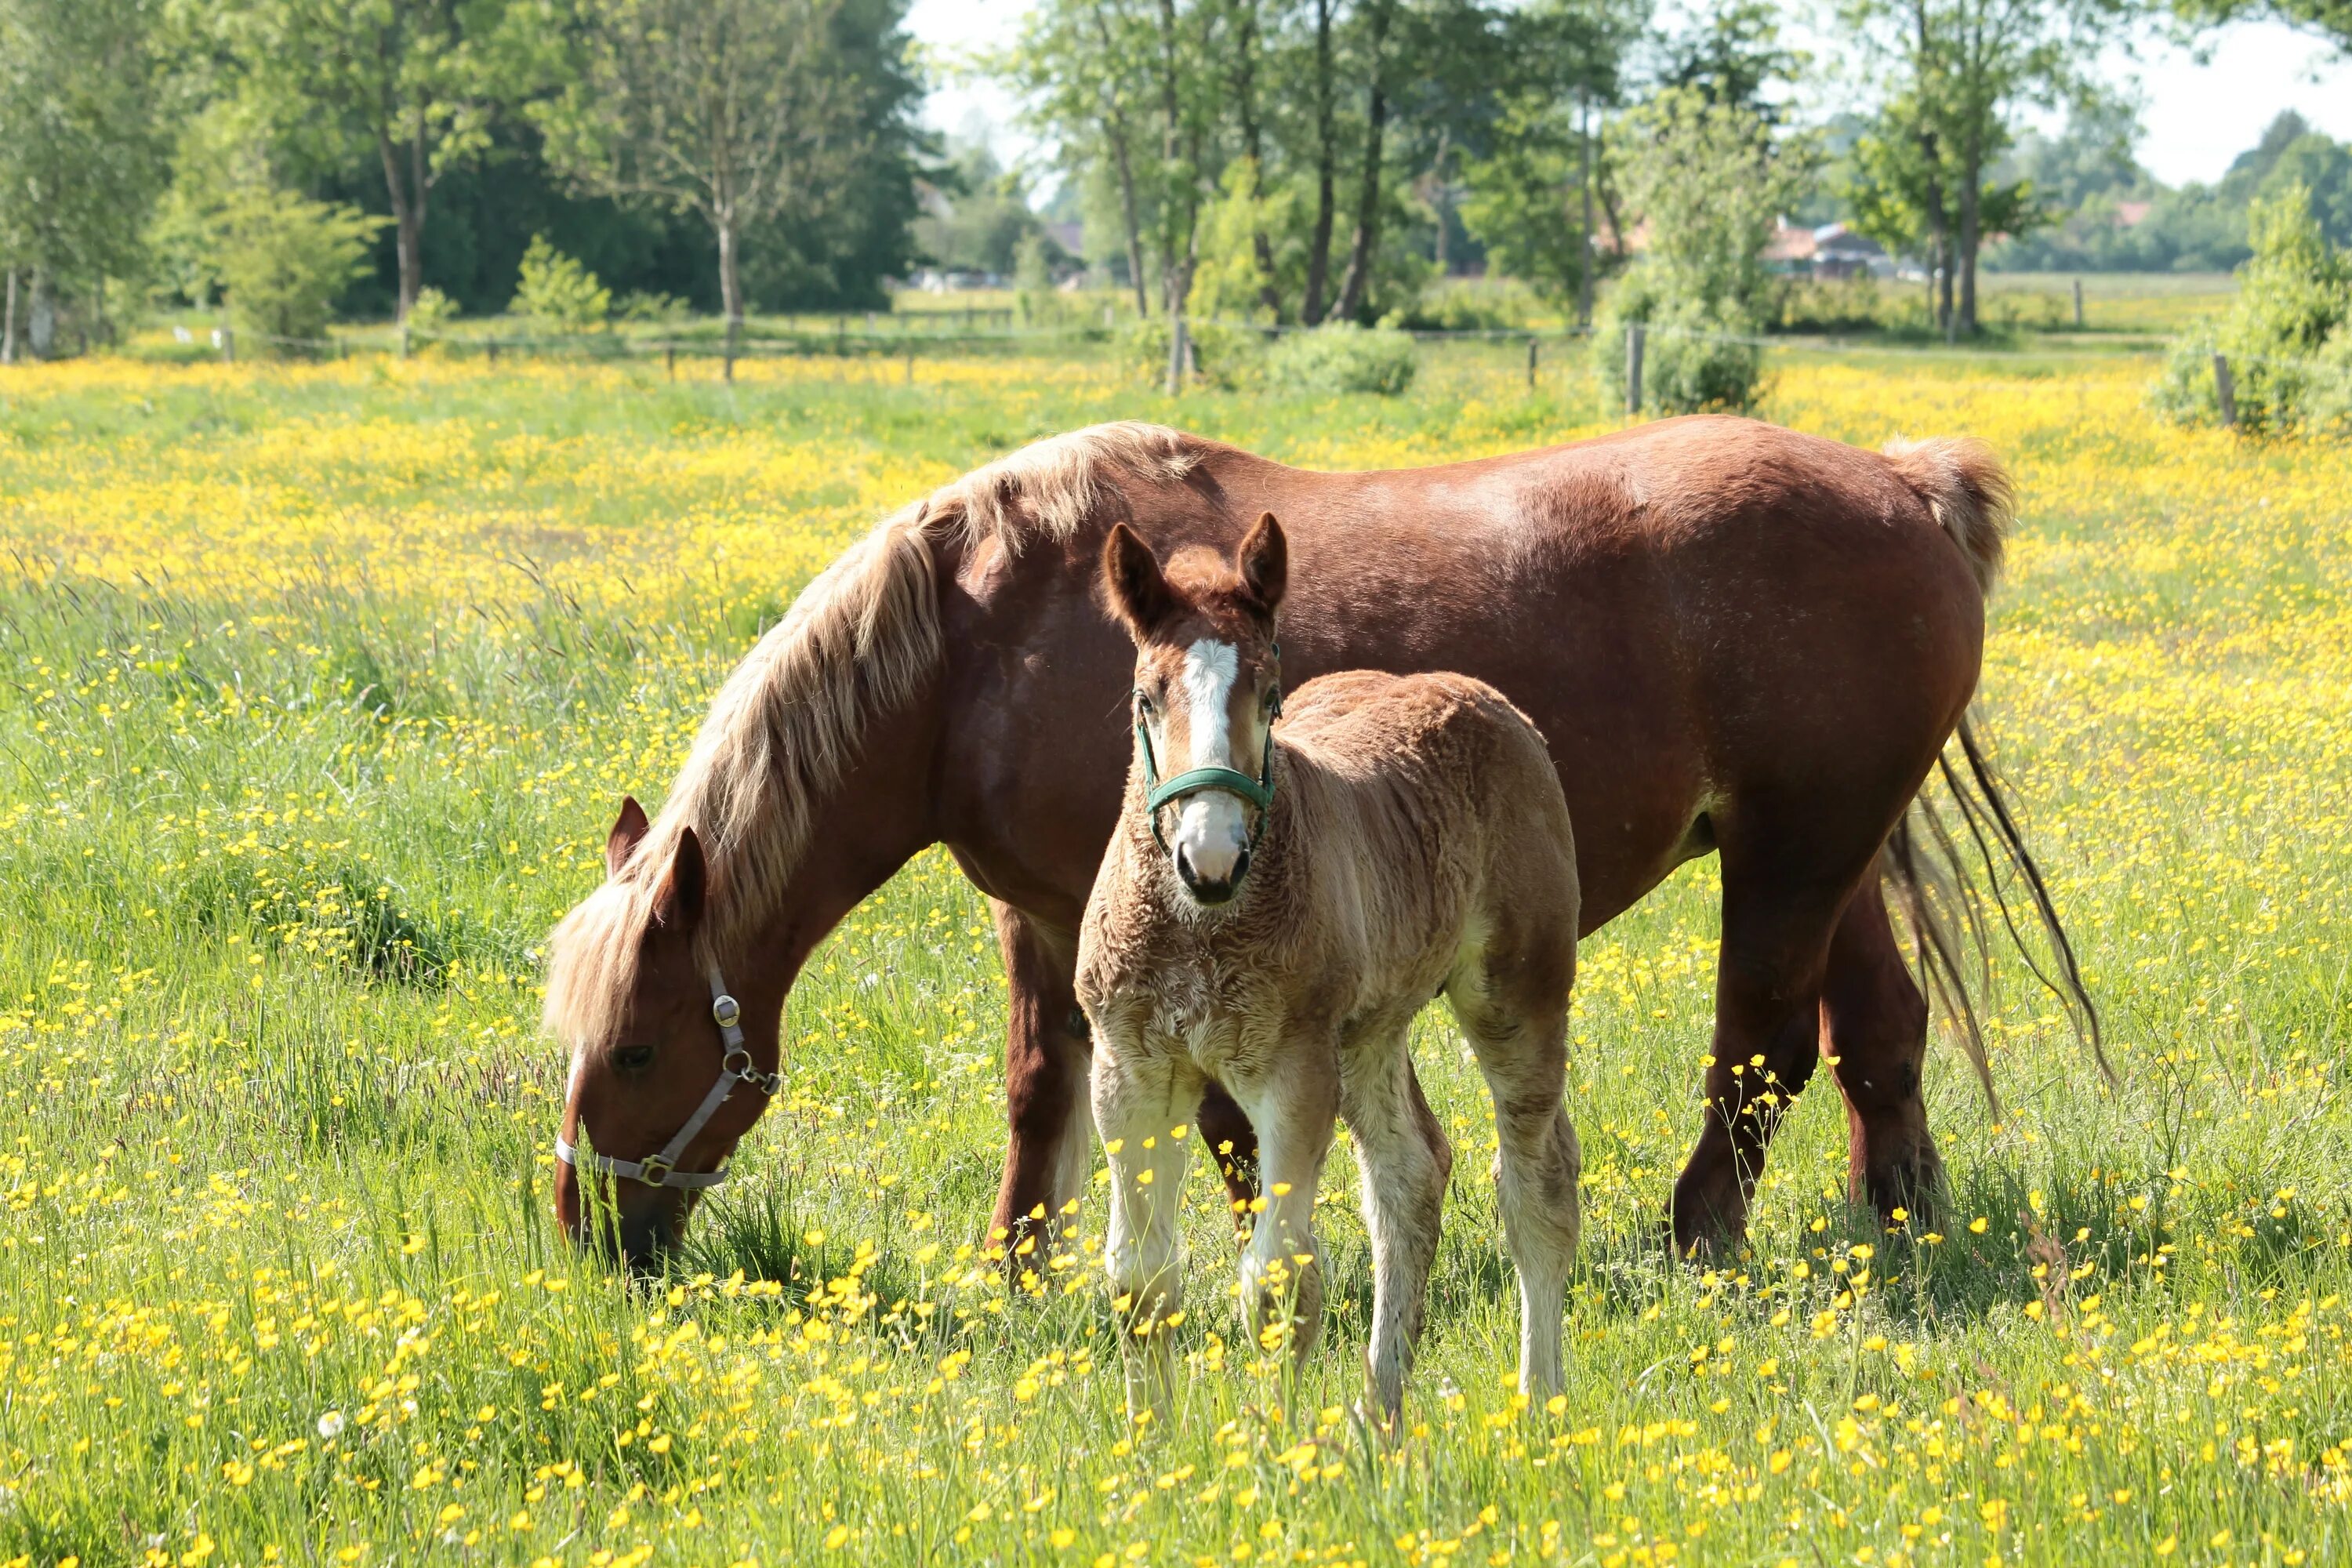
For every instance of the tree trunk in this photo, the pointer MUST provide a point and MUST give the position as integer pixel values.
(1949, 318)
(1971, 176)
(1116, 131)
(1327, 159)
(731, 286)
(1254, 148)
(1132, 219)
(407, 228)
(1180, 213)
(1437, 202)
(8, 325)
(42, 334)
(1359, 279)
(1585, 258)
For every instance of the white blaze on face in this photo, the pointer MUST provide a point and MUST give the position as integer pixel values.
(1212, 826)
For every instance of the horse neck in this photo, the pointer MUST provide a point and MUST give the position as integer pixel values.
(875, 819)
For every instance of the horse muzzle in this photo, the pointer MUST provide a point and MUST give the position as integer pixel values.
(1211, 891)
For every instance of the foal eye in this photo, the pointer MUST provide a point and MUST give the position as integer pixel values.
(632, 1059)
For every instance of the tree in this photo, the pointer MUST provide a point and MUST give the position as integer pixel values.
(82, 150)
(411, 82)
(1533, 188)
(731, 109)
(1962, 69)
(1710, 180)
(2330, 19)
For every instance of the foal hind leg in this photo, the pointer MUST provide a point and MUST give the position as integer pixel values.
(1403, 1163)
(1139, 1102)
(1523, 1056)
(1873, 1028)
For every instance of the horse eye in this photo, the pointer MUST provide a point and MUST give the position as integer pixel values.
(632, 1059)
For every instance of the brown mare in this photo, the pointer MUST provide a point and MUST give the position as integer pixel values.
(1274, 909)
(1738, 640)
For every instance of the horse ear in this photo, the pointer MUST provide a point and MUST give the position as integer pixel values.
(678, 905)
(1139, 593)
(1265, 563)
(621, 842)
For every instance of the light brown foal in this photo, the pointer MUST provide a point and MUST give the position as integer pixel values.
(1274, 909)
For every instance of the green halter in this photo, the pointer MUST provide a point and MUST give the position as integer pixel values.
(1258, 791)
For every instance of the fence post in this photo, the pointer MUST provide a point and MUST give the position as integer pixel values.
(491, 349)
(1635, 333)
(1531, 361)
(228, 345)
(2225, 391)
(910, 365)
(841, 333)
(2078, 304)
(669, 359)
(403, 339)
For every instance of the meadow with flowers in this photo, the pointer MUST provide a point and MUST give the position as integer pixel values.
(320, 687)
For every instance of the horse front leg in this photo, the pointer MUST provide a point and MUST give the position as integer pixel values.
(1049, 1146)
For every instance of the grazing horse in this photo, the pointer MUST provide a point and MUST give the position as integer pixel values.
(1738, 639)
(1271, 917)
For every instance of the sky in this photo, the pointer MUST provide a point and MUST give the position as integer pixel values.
(2196, 114)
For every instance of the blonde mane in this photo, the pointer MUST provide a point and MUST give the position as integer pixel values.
(857, 644)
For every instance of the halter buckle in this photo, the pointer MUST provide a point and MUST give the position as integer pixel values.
(654, 1171)
(724, 1011)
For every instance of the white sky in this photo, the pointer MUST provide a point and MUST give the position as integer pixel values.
(2196, 116)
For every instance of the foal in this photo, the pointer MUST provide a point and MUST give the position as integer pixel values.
(1273, 911)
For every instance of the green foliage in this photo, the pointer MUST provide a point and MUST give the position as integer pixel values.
(1033, 283)
(1340, 356)
(2288, 335)
(557, 295)
(1228, 357)
(432, 311)
(1525, 203)
(1711, 179)
(283, 259)
(83, 142)
(1694, 358)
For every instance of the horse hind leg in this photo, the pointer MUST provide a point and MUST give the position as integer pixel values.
(1538, 1166)
(1049, 1128)
(1403, 1164)
(1874, 1030)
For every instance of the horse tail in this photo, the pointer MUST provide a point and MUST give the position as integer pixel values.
(1968, 491)
(1958, 850)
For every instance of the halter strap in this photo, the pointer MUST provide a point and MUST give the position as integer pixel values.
(1258, 791)
(735, 1067)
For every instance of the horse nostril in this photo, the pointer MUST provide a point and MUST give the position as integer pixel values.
(1241, 867)
(1184, 871)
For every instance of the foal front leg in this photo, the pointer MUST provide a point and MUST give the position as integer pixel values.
(1293, 1106)
(1140, 1102)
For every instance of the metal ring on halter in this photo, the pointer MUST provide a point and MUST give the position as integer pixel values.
(661, 1169)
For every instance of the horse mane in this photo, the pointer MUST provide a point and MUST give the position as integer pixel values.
(856, 644)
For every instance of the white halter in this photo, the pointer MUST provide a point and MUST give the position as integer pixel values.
(735, 1067)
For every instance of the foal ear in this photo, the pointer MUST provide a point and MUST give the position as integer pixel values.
(1265, 563)
(621, 842)
(1138, 592)
(678, 905)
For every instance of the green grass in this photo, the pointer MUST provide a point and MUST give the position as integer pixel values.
(284, 816)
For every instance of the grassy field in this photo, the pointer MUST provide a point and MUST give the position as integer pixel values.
(318, 689)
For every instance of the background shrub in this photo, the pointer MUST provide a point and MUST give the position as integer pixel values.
(1340, 356)
(284, 258)
(556, 294)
